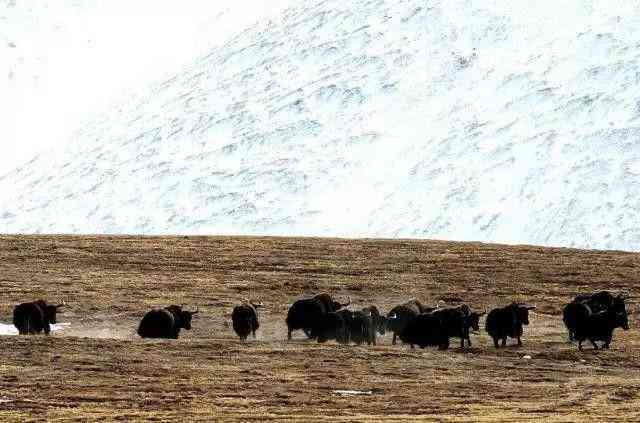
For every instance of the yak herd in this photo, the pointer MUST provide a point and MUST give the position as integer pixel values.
(591, 317)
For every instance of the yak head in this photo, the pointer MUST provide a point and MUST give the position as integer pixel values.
(619, 308)
(379, 321)
(51, 312)
(522, 312)
(182, 317)
(622, 319)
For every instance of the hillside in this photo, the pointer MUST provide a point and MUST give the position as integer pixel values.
(95, 367)
(369, 118)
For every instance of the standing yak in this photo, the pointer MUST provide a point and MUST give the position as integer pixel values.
(332, 325)
(35, 317)
(375, 323)
(594, 317)
(165, 322)
(600, 326)
(245, 319)
(507, 322)
(399, 316)
(426, 329)
(459, 321)
(573, 313)
(307, 313)
(362, 325)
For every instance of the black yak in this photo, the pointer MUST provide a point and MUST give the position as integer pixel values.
(370, 322)
(400, 315)
(331, 326)
(35, 317)
(165, 322)
(594, 317)
(245, 319)
(308, 313)
(359, 326)
(600, 326)
(459, 321)
(426, 329)
(379, 321)
(507, 322)
(572, 314)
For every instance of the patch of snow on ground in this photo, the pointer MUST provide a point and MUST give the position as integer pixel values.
(7, 329)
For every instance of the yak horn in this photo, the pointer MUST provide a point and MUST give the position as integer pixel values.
(530, 307)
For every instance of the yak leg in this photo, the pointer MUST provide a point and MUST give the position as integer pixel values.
(412, 347)
(289, 335)
(393, 341)
(495, 342)
(504, 341)
(47, 328)
(254, 334)
(595, 346)
(519, 342)
(580, 345)
(469, 340)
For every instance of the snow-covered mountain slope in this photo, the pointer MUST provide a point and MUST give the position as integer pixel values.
(60, 61)
(490, 121)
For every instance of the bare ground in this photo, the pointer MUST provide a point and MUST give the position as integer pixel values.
(98, 369)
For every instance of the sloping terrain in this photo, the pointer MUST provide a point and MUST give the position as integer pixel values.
(448, 120)
(96, 368)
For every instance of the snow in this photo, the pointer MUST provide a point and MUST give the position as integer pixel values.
(6, 329)
(493, 121)
(63, 61)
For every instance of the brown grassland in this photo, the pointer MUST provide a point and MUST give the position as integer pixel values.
(97, 368)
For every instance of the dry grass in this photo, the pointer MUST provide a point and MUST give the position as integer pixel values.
(98, 369)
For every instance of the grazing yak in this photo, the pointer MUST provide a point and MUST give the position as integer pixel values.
(572, 313)
(400, 315)
(35, 317)
(308, 313)
(426, 329)
(245, 319)
(458, 322)
(507, 322)
(165, 322)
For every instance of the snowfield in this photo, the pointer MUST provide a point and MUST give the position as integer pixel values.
(448, 119)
